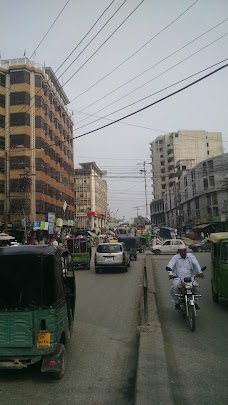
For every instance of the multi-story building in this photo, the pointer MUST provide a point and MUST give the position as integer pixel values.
(36, 147)
(199, 199)
(90, 197)
(184, 147)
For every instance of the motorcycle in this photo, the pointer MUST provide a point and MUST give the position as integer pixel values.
(187, 297)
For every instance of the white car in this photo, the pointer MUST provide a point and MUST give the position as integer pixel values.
(111, 255)
(169, 246)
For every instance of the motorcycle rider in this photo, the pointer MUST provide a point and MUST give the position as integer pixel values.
(182, 265)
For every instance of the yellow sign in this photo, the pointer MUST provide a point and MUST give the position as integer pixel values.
(43, 339)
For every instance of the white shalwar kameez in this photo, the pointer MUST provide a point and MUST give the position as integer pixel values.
(183, 267)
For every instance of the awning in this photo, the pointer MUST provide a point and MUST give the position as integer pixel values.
(202, 226)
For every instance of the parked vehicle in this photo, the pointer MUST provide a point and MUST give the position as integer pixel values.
(219, 259)
(142, 244)
(167, 233)
(204, 245)
(81, 251)
(37, 305)
(187, 298)
(132, 245)
(111, 255)
(169, 246)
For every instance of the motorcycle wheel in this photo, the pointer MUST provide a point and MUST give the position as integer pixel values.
(192, 317)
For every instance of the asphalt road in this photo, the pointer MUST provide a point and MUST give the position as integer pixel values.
(102, 354)
(198, 361)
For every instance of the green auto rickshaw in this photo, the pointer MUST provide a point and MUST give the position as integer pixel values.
(81, 251)
(37, 305)
(132, 245)
(142, 243)
(219, 274)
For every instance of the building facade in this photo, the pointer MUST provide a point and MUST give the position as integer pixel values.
(186, 148)
(36, 146)
(90, 197)
(199, 199)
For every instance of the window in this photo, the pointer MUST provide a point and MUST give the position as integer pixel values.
(18, 205)
(162, 163)
(211, 181)
(2, 211)
(21, 76)
(184, 167)
(20, 185)
(207, 144)
(185, 181)
(204, 169)
(19, 97)
(186, 194)
(40, 186)
(193, 174)
(205, 184)
(160, 142)
(19, 162)
(167, 243)
(197, 203)
(194, 189)
(19, 141)
(163, 186)
(2, 100)
(38, 81)
(176, 135)
(210, 164)
(2, 143)
(40, 207)
(215, 211)
(2, 80)
(45, 89)
(2, 186)
(2, 121)
(39, 122)
(208, 152)
(17, 119)
(39, 142)
(39, 101)
(163, 178)
(214, 198)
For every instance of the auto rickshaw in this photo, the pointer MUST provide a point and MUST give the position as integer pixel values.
(219, 274)
(81, 251)
(132, 245)
(37, 305)
(142, 244)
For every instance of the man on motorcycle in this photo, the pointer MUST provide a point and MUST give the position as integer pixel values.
(182, 265)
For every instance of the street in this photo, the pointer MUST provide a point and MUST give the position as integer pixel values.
(102, 353)
(198, 362)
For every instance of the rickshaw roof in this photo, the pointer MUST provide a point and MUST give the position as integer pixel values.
(218, 237)
(35, 250)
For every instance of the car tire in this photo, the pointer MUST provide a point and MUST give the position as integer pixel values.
(157, 252)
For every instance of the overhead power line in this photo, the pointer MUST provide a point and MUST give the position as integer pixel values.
(155, 102)
(153, 66)
(103, 43)
(79, 43)
(159, 91)
(45, 35)
(135, 53)
(101, 29)
(81, 65)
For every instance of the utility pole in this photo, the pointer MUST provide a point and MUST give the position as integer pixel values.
(143, 171)
(137, 209)
(25, 187)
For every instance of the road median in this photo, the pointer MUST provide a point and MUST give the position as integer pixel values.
(152, 381)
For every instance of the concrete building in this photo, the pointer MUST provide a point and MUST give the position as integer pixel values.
(36, 148)
(184, 147)
(90, 197)
(199, 199)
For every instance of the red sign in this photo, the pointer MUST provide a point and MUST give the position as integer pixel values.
(91, 214)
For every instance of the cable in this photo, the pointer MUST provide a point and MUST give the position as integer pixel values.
(92, 39)
(143, 46)
(32, 98)
(79, 43)
(151, 104)
(103, 43)
(153, 66)
(159, 91)
(50, 28)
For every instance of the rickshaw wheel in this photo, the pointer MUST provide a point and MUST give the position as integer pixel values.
(62, 352)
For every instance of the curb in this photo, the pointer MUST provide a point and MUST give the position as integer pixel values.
(152, 380)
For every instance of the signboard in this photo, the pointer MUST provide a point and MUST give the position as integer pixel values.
(43, 226)
(50, 217)
(36, 225)
(59, 222)
(51, 228)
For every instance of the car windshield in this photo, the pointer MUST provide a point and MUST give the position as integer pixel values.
(112, 248)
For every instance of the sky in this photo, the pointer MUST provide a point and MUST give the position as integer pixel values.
(121, 148)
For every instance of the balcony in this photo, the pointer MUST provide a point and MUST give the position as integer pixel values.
(170, 158)
(170, 152)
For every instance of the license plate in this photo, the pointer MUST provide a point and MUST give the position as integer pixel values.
(43, 339)
(109, 259)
